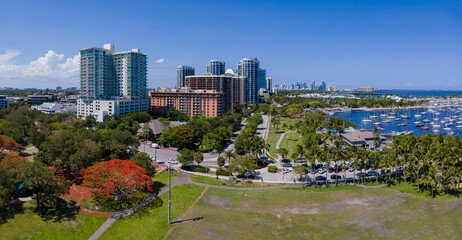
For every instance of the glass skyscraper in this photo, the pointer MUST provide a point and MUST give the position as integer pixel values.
(248, 68)
(181, 73)
(261, 78)
(105, 74)
(216, 67)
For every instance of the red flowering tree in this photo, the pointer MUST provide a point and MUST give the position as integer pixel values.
(117, 180)
(7, 143)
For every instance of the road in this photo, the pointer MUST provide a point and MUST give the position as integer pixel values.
(163, 155)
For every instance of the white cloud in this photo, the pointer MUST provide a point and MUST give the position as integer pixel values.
(160, 60)
(9, 55)
(50, 67)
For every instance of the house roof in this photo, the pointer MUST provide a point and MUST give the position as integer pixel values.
(158, 128)
(359, 136)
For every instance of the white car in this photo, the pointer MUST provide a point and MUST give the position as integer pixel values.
(155, 145)
(153, 158)
(322, 170)
(286, 170)
(173, 161)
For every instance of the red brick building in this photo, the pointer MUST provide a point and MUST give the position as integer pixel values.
(208, 103)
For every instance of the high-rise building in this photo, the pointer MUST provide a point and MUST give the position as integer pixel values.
(269, 83)
(313, 86)
(323, 86)
(261, 78)
(207, 103)
(219, 83)
(181, 73)
(216, 67)
(118, 77)
(3, 101)
(239, 89)
(249, 68)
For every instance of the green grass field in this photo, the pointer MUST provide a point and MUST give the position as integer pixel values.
(29, 225)
(290, 141)
(273, 136)
(151, 222)
(334, 213)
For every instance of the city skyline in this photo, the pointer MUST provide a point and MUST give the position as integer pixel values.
(384, 44)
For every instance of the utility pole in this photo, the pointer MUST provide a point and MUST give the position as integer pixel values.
(169, 191)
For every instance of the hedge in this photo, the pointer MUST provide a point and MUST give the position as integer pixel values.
(272, 169)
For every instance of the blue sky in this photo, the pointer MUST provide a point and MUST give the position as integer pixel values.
(384, 44)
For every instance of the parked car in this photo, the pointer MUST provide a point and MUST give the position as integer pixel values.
(349, 179)
(351, 169)
(320, 178)
(372, 173)
(300, 160)
(318, 166)
(306, 179)
(286, 170)
(314, 171)
(173, 161)
(153, 158)
(154, 145)
(335, 176)
(322, 171)
(287, 164)
(361, 174)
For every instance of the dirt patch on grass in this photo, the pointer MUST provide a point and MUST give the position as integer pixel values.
(79, 193)
(299, 210)
(219, 202)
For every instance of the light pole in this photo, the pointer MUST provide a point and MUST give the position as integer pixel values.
(169, 191)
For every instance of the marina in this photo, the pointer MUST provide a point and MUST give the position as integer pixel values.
(439, 116)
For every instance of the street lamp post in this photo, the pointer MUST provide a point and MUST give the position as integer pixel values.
(169, 191)
(283, 182)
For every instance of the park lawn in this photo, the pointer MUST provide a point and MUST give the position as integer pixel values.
(163, 177)
(219, 182)
(335, 213)
(151, 221)
(411, 188)
(29, 225)
(273, 136)
(290, 141)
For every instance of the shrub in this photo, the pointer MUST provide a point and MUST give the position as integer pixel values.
(193, 168)
(200, 169)
(222, 172)
(272, 169)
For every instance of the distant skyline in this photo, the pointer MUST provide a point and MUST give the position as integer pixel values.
(414, 44)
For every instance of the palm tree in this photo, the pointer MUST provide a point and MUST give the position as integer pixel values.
(283, 152)
(229, 154)
(221, 161)
(299, 150)
(276, 122)
(326, 155)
